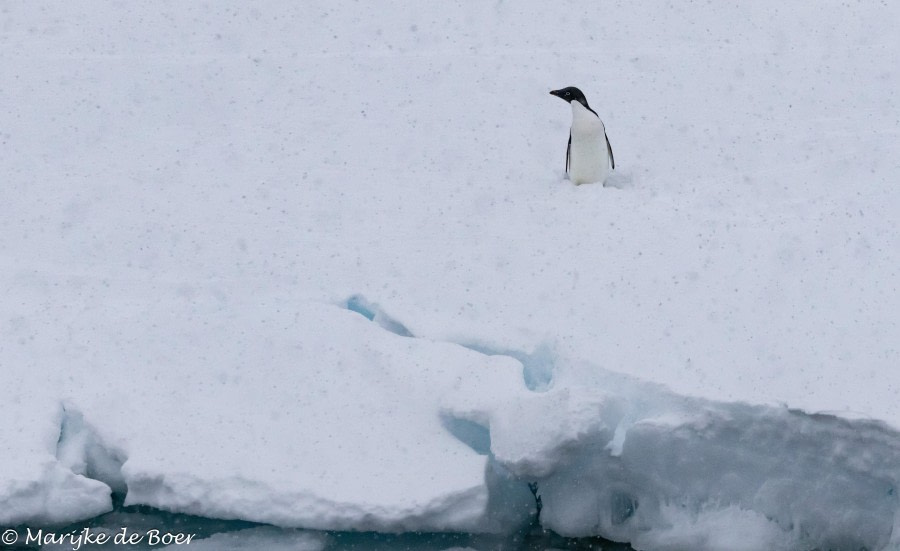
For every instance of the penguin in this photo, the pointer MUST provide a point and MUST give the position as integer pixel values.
(587, 160)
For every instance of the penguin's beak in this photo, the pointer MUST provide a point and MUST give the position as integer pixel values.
(554, 93)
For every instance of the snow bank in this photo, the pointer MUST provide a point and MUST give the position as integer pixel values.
(294, 414)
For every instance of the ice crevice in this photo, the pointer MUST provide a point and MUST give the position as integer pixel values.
(374, 313)
(81, 451)
(69, 478)
(537, 366)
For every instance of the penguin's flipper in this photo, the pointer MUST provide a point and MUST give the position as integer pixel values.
(612, 159)
(568, 149)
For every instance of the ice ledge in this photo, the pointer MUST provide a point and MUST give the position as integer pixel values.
(293, 416)
(630, 461)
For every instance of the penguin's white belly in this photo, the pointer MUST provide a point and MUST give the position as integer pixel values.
(588, 156)
(588, 159)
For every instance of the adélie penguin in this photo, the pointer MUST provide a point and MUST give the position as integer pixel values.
(588, 155)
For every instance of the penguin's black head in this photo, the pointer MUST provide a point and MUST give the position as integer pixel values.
(571, 93)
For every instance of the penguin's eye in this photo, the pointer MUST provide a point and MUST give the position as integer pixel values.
(568, 93)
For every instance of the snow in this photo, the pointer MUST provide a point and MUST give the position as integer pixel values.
(202, 204)
(307, 431)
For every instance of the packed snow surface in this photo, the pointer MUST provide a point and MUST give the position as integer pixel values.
(317, 265)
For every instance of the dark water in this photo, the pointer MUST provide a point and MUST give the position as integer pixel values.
(232, 535)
